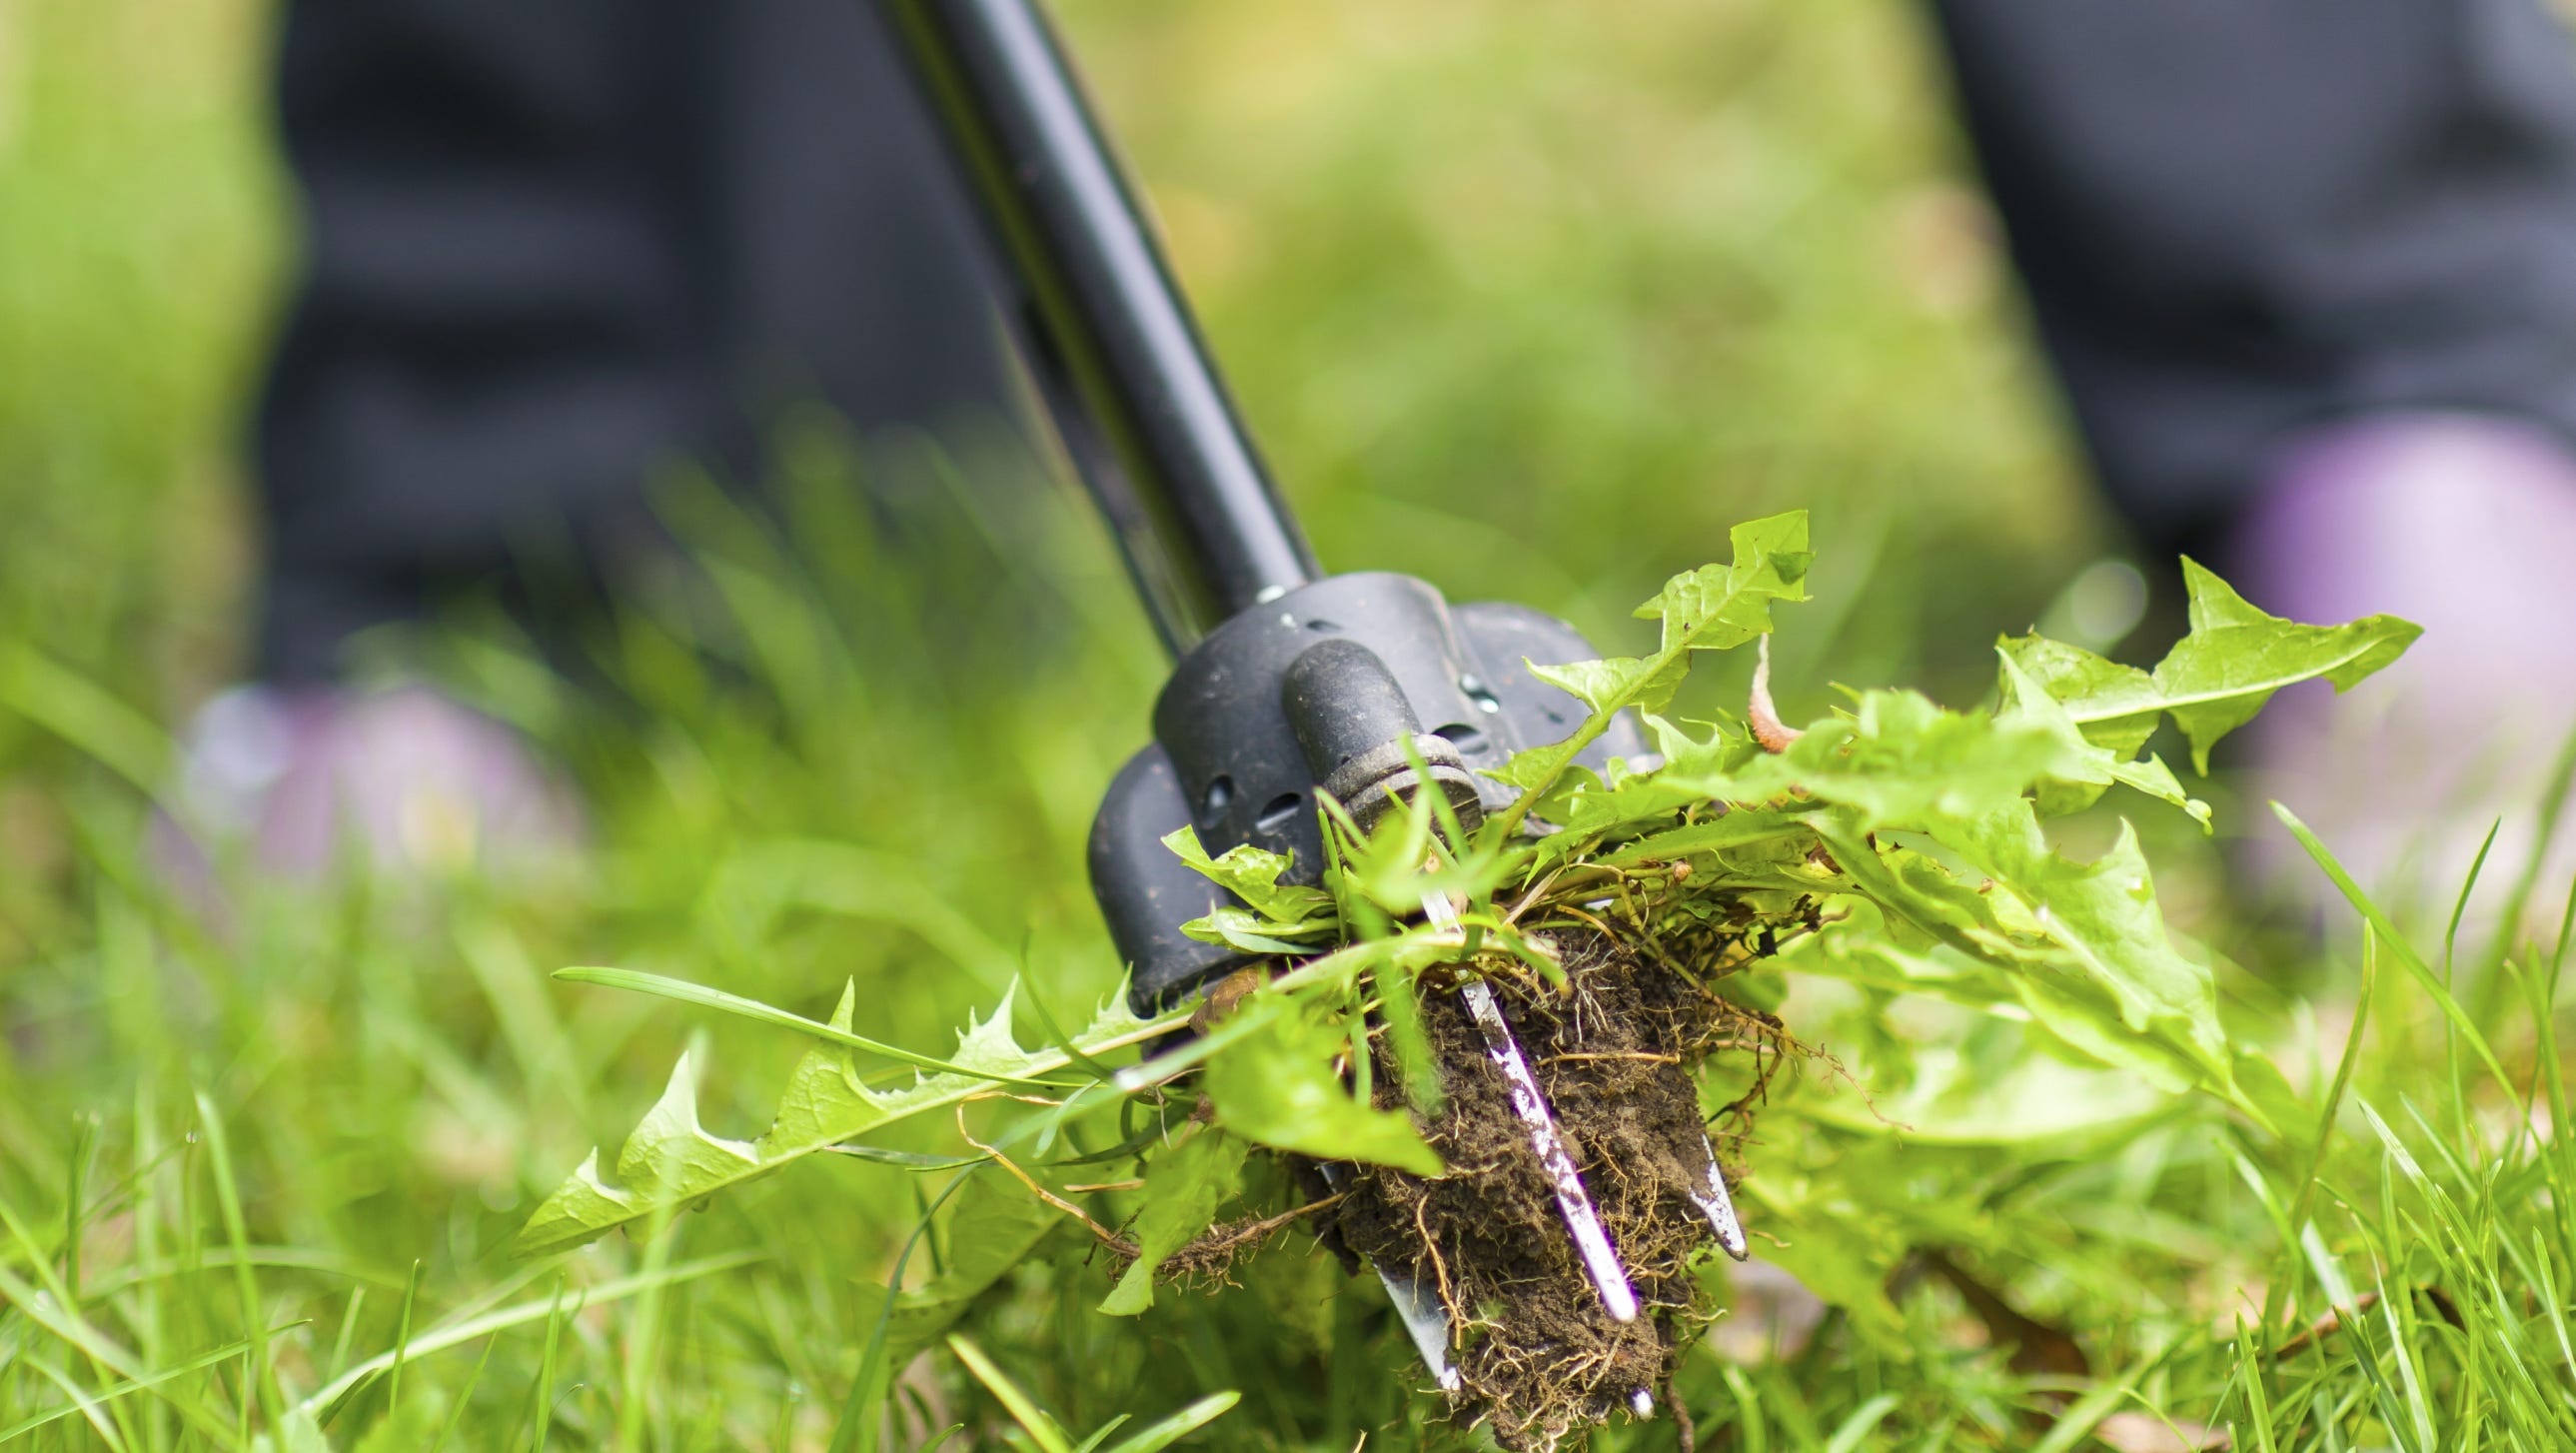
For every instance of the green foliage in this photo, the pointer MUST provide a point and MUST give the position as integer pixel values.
(671, 1161)
(1049, 1436)
(1606, 277)
(1275, 917)
(2215, 678)
(1896, 845)
(1930, 818)
(1182, 1193)
(1276, 1087)
(990, 1234)
(1713, 608)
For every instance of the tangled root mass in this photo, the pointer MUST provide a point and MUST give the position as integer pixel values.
(1537, 1355)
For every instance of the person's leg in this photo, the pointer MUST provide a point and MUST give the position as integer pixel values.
(550, 248)
(2241, 219)
(503, 320)
(853, 269)
(2307, 272)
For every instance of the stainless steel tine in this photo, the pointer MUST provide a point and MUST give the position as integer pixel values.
(1591, 1243)
(1718, 1205)
(1425, 1320)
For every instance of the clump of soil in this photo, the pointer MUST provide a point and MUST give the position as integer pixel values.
(1538, 1356)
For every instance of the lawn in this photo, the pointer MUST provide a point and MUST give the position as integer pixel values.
(1534, 300)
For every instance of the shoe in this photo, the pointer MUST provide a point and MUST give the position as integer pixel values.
(2466, 525)
(310, 783)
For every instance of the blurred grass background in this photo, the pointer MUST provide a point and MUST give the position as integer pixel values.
(1534, 299)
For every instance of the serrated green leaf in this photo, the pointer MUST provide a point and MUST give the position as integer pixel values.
(2216, 677)
(1604, 684)
(704, 997)
(2235, 657)
(2117, 707)
(2086, 769)
(1725, 749)
(1717, 607)
(2129, 993)
(1900, 759)
(670, 1146)
(1278, 1088)
(1183, 1188)
(1252, 874)
(1534, 767)
(1713, 608)
(670, 1162)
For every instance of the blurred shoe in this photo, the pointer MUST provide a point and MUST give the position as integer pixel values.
(407, 782)
(2466, 525)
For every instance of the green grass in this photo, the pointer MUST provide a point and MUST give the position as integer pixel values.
(1485, 275)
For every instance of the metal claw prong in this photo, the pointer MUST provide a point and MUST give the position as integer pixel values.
(1582, 1223)
(1718, 1205)
(1425, 1320)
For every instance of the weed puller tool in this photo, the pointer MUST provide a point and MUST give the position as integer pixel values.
(1370, 687)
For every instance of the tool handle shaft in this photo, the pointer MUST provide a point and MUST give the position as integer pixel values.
(1128, 379)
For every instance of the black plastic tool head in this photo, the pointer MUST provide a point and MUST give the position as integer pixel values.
(1338, 686)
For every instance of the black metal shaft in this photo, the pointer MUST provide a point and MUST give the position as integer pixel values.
(1126, 375)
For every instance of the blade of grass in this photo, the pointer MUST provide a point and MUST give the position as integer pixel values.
(439, 1339)
(2331, 1110)
(1753, 1432)
(47, 1313)
(858, 1428)
(348, 1337)
(84, 1404)
(1155, 1437)
(2253, 1370)
(75, 1193)
(146, 1176)
(88, 718)
(2460, 903)
(1101, 1434)
(1855, 1430)
(541, 1411)
(2450, 976)
(402, 1341)
(2553, 811)
(465, 1396)
(2377, 918)
(198, 1363)
(245, 1276)
(2076, 1424)
(1042, 1429)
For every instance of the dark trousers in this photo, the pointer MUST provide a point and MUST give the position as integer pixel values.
(2237, 220)
(551, 245)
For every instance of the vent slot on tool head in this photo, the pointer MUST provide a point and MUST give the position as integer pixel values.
(1279, 814)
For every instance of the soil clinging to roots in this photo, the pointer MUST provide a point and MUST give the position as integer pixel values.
(1536, 1353)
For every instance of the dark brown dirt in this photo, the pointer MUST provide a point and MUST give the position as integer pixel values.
(1613, 1051)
